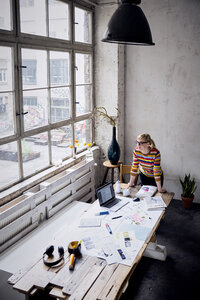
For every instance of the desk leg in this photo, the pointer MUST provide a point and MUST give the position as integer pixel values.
(31, 294)
(155, 251)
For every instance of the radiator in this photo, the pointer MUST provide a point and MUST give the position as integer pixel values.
(42, 201)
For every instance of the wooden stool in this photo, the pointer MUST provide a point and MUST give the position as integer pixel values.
(111, 167)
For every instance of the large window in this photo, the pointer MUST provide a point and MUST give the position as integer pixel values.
(46, 84)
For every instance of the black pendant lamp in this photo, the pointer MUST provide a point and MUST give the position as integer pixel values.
(128, 25)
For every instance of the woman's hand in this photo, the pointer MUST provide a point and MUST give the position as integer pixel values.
(131, 181)
(161, 190)
(130, 185)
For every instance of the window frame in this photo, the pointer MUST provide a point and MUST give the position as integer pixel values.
(14, 38)
(82, 84)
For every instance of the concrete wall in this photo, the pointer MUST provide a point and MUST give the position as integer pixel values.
(109, 79)
(163, 90)
(162, 93)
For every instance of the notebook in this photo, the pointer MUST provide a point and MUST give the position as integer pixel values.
(146, 190)
(106, 196)
(156, 202)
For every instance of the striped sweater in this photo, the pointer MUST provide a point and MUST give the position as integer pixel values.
(148, 164)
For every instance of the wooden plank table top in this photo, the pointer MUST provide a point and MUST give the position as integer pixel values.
(92, 277)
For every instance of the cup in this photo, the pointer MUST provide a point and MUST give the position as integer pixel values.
(126, 192)
(117, 187)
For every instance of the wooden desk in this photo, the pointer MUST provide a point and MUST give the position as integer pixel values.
(92, 278)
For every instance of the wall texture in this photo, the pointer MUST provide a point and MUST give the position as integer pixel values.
(160, 93)
(109, 79)
(163, 90)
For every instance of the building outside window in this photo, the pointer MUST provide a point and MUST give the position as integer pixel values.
(60, 109)
(26, 3)
(29, 71)
(30, 101)
(59, 71)
(46, 102)
(2, 75)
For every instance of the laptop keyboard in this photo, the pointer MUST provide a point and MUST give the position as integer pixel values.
(113, 202)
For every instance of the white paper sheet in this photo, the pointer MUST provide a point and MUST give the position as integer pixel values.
(129, 232)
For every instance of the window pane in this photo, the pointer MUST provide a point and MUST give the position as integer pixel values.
(83, 133)
(7, 127)
(59, 68)
(34, 71)
(6, 69)
(83, 99)
(33, 17)
(35, 153)
(83, 26)
(5, 15)
(58, 20)
(7, 123)
(60, 104)
(8, 164)
(83, 68)
(61, 139)
(35, 102)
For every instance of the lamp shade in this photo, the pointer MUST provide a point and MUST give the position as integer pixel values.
(128, 25)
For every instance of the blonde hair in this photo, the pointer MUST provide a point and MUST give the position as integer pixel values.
(147, 138)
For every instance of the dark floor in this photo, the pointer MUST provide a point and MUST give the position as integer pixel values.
(177, 278)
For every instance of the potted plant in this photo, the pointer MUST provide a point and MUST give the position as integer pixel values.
(188, 188)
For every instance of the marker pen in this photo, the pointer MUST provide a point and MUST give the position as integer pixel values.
(116, 217)
(102, 213)
(109, 229)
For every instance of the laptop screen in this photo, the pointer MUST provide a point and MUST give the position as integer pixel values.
(105, 193)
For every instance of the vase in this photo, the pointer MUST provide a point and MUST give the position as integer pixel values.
(74, 152)
(89, 153)
(114, 149)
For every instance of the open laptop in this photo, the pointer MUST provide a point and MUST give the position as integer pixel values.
(106, 196)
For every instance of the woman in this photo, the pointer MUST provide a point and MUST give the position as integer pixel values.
(146, 159)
